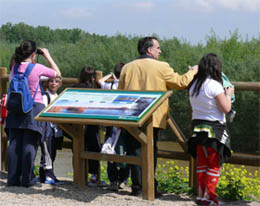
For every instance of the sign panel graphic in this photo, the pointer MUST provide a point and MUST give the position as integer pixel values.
(102, 104)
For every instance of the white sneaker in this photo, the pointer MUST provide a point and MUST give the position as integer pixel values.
(49, 180)
(212, 203)
(122, 185)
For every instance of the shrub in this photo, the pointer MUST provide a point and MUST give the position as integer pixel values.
(36, 169)
(236, 183)
(172, 178)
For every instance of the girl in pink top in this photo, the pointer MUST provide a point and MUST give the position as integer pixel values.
(24, 133)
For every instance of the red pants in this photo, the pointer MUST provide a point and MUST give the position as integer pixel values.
(208, 171)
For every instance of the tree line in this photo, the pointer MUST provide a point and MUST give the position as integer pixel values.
(72, 49)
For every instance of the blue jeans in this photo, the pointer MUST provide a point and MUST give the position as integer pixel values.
(92, 144)
(23, 144)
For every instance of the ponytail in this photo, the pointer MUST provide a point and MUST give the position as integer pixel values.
(25, 50)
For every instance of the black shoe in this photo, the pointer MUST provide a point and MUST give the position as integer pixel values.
(30, 184)
(157, 194)
(136, 192)
(13, 185)
(113, 186)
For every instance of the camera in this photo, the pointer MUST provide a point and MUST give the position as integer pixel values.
(38, 51)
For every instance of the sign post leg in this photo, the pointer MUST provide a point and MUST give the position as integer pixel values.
(148, 164)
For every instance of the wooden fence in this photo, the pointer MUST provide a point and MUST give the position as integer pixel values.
(183, 155)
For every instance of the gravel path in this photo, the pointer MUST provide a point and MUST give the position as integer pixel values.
(70, 194)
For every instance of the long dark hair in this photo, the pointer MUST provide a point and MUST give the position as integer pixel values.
(88, 77)
(210, 66)
(25, 50)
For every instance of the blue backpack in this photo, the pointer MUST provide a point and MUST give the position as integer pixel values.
(20, 99)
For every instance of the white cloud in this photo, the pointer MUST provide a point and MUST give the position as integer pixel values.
(250, 5)
(209, 5)
(204, 4)
(193, 5)
(76, 12)
(143, 5)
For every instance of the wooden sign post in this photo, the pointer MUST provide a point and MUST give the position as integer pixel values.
(131, 110)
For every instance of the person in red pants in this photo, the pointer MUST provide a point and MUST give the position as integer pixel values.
(208, 172)
(210, 140)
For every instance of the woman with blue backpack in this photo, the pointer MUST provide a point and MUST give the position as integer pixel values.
(24, 133)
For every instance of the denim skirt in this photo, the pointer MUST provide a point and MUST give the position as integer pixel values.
(26, 121)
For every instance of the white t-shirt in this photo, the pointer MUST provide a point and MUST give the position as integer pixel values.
(107, 85)
(204, 106)
(45, 98)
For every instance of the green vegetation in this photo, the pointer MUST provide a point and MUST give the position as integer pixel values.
(36, 170)
(235, 183)
(73, 49)
(173, 179)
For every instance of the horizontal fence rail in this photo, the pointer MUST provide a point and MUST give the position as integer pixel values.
(239, 86)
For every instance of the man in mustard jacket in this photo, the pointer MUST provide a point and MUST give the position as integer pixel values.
(148, 73)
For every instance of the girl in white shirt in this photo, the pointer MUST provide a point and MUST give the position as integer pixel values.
(210, 140)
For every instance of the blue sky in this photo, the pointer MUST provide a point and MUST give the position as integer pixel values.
(189, 20)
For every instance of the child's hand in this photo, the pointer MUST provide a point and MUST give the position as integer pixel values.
(114, 76)
(194, 68)
(229, 91)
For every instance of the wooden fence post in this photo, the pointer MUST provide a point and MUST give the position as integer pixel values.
(192, 168)
(3, 148)
(3, 84)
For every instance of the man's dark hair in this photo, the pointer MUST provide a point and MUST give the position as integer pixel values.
(117, 69)
(145, 43)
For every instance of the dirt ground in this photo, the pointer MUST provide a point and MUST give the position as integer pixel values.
(71, 194)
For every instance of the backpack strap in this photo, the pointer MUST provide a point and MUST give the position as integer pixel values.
(42, 90)
(112, 85)
(48, 97)
(27, 73)
(28, 69)
(16, 66)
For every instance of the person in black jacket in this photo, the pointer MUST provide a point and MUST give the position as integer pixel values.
(117, 173)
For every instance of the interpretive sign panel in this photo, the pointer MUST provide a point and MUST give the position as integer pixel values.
(102, 104)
